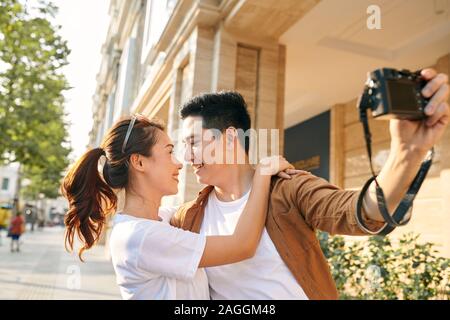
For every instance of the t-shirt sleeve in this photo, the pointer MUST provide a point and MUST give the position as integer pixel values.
(166, 213)
(171, 252)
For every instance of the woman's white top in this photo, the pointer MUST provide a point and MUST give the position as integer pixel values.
(154, 260)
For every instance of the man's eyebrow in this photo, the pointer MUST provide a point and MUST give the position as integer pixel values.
(169, 145)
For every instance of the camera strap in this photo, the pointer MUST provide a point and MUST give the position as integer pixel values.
(399, 217)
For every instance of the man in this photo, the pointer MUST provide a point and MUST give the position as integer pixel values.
(17, 228)
(289, 263)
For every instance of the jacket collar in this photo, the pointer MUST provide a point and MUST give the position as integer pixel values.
(203, 195)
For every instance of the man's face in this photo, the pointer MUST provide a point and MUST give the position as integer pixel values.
(203, 147)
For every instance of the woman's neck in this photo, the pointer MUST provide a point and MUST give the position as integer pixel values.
(142, 207)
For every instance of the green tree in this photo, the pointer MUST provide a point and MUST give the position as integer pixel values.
(32, 127)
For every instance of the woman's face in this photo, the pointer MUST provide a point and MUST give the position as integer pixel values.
(162, 168)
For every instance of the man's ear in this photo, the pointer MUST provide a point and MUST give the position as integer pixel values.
(231, 136)
(136, 162)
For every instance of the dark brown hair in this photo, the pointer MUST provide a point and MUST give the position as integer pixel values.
(220, 110)
(91, 195)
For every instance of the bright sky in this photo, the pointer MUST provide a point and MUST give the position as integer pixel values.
(84, 25)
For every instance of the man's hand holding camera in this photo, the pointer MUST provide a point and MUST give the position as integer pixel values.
(421, 136)
(410, 142)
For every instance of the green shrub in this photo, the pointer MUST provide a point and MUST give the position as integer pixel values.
(376, 269)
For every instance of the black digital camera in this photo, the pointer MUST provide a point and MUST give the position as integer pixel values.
(395, 94)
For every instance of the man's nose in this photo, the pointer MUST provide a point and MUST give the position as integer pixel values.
(188, 155)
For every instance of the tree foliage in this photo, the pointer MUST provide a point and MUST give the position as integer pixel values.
(376, 269)
(32, 127)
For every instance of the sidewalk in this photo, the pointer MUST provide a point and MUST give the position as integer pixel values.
(44, 270)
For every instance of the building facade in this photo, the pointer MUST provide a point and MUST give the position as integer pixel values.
(300, 65)
(8, 183)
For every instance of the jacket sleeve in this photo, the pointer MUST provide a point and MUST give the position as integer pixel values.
(327, 207)
(177, 218)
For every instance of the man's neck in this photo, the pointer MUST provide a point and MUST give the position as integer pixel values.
(237, 183)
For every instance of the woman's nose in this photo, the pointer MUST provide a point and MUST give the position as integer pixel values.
(178, 164)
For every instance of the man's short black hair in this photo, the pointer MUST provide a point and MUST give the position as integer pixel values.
(220, 111)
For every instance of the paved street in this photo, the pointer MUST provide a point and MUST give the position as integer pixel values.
(44, 270)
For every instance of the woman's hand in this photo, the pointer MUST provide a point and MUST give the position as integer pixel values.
(276, 165)
(242, 244)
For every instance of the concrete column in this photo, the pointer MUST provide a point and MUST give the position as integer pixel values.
(337, 140)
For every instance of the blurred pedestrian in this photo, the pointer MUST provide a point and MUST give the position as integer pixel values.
(16, 229)
(33, 218)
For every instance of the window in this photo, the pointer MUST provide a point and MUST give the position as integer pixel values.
(5, 184)
(110, 108)
(156, 16)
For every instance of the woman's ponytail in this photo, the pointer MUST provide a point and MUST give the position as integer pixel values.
(92, 197)
(90, 200)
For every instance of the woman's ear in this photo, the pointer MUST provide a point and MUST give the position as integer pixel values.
(136, 162)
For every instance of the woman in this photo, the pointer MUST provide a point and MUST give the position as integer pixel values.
(16, 229)
(151, 258)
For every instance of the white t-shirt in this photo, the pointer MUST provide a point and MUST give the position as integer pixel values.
(154, 260)
(264, 276)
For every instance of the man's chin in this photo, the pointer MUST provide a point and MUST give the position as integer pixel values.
(202, 175)
(201, 179)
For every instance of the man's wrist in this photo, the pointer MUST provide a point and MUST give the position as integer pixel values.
(403, 163)
(408, 151)
(396, 176)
